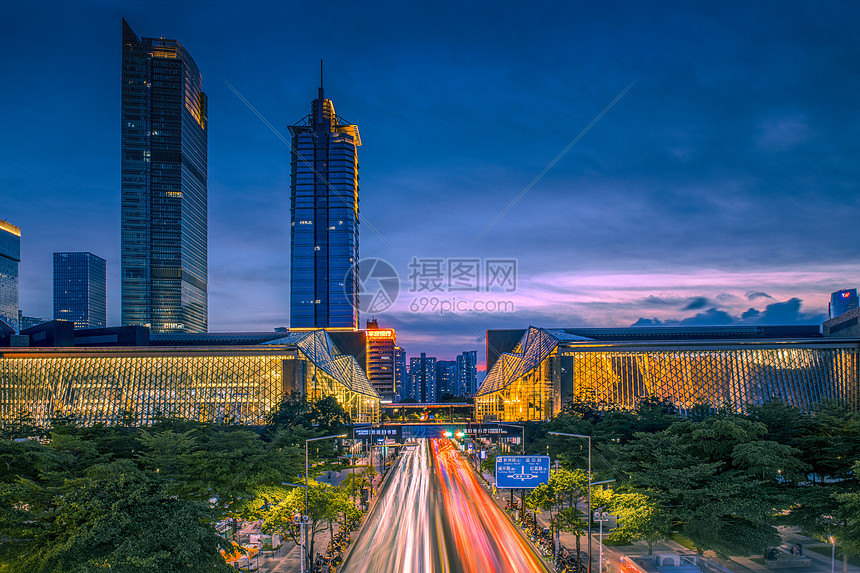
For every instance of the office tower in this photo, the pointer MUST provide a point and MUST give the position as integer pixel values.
(400, 374)
(380, 359)
(164, 172)
(80, 295)
(25, 322)
(324, 220)
(842, 301)
(467, 373)
(422, 371)
(10, 256)
(446, 377)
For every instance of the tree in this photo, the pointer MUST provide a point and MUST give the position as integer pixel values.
(640, 516)
(115, 518)
(326, 505)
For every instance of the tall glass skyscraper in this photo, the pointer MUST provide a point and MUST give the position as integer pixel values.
(842, 301)
(324, 224)
(164, 172)
(10, 256)
(80, 295)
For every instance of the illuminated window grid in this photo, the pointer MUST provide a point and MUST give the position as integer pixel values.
(98, 386)
(735, 377)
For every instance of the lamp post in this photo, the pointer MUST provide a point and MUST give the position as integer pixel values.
(833, 556)
(308, 441)
(589, 487)
(600, 517)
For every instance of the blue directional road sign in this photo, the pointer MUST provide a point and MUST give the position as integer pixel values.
(521, 471)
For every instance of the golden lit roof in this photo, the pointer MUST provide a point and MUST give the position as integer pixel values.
(9, 227)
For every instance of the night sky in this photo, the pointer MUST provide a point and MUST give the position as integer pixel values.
(721, 188)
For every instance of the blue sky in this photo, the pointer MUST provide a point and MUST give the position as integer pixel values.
(720, 189)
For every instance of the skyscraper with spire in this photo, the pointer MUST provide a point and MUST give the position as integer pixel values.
(324, 222)
(164, 195)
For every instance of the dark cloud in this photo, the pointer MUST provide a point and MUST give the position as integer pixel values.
(754, 294)
(787, 312)
(697, 303)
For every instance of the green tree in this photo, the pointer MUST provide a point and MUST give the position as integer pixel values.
(115, 518)
(640, 516)
(326, 506)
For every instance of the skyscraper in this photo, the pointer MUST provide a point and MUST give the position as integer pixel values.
(164, 195)
(467, 373)
(446, 377)
(842, 301)
(380, 359)
(400, 375)
(10, 256)
(422, 372)
(80, 293)
(324, 220)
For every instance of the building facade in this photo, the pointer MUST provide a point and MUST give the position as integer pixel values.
(446, 377)
(842, 301)
(551, 367)
(380, 359)
(401, 381)
(164, 187)
(422, 375)
(467, 373)
(10, 257)
(324, 220)
(80, 292)
(242, 384)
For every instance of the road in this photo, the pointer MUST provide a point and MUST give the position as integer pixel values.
(433, 516)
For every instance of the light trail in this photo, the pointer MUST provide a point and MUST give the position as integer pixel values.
(434, 516)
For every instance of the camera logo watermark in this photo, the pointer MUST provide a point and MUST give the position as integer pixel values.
(377, 285)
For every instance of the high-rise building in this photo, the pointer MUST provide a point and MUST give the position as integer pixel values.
(842, 301)
(164, 195)
(324, 221)
(80, 293)
(446, 377)
(380, 359)
(467, 373)
(10, 256)
(400, 374)
(422, 371)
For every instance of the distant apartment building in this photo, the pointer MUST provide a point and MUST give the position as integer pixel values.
(10, 256)
(26, 322)
(842, 301)
(400, 374)
(80, 293)
(422, 373)
(467, 373)
(380, 359)
(446, 377)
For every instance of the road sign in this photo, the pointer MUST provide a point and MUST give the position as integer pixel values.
(521, 471)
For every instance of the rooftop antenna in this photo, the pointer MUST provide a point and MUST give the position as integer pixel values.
(321, 73)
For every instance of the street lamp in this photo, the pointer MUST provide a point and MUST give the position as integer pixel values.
(833, 556)
(589, 487)
(306, 482)
(600, 517)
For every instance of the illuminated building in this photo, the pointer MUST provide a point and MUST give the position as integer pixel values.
(324, 219)
(446, 377)
(206, 383)
(380, 359)
(10, 256)
(400, 372)
(164, 193)
(422, 376)
(842, 301)
(467, 373)
(549, 367)
(80, 293)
